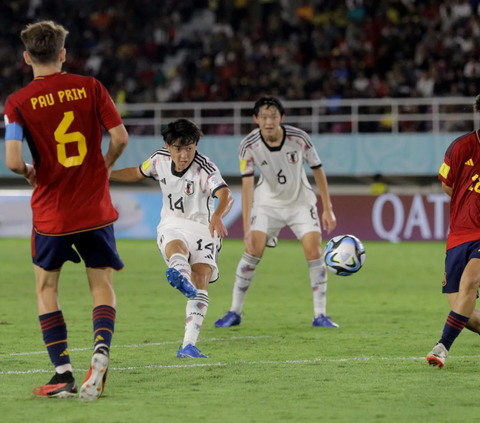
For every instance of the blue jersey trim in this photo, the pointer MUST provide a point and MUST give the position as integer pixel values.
(13, 131)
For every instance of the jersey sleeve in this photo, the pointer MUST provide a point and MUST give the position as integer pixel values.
(215, 180)
(311, 156)
(148, 168)
(108, 113)
(247, 164)
(445, 174)
(13, 123)
(449, 168)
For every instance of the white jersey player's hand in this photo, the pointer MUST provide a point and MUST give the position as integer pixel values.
(217, 240)
(329, 221)
(216, 225)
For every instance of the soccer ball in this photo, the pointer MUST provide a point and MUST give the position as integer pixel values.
(344, 255)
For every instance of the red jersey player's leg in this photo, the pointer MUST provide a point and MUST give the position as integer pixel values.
(49, 254)
(461, 283)
(99, 252)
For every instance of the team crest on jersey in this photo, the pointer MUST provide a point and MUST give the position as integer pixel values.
(292, 157)
(189, 187)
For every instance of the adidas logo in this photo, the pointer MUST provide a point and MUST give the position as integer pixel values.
(163, 181)
(209, 256)
(264, 163)
(65, 353)
(469, 162)
(99, 338)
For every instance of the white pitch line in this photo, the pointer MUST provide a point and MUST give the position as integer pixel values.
(150, 344)
(232, 338)
(241, 362)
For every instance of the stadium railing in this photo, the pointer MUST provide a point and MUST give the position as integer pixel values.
(439, 114)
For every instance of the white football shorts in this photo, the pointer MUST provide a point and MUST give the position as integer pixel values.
(201, 246)
(271, 220)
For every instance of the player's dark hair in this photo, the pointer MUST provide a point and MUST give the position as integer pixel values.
(268, 101)
(43, 41)
(182, 130)
(476, 105)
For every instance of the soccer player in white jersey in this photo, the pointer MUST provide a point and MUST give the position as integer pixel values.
(190, 230)
(282, 197)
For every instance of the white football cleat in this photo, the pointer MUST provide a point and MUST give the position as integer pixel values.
(94, 383)
(437, 356)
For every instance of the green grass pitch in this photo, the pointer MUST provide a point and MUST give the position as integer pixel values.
(273, 368)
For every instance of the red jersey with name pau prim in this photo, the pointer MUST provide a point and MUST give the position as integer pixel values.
(460, 170)
(62, 117)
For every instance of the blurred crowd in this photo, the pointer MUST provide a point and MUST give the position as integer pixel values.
(150, 51)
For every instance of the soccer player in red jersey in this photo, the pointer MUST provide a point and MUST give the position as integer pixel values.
(61, 116)
(460, 176)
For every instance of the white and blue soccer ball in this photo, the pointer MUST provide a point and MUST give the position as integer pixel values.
(344, 255)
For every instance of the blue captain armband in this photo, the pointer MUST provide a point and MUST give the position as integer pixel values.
(13, 131)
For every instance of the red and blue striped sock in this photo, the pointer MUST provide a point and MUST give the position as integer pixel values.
(103, 325)
(453, 326)
(54, 330)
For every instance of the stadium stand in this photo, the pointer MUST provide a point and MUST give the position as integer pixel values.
(236, 50)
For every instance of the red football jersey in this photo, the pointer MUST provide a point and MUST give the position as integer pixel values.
(461, 171)
(62, 117)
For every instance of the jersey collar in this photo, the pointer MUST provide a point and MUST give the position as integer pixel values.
(41, 77)
(278, 147)
(180, 174)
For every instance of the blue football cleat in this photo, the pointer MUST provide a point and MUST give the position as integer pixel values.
(190, 351)
(230, 319)
(177, 280)
(324, 321)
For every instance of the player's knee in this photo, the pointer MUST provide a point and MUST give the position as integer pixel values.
(257, 250)
(258, 244)
(43, 287)
(312, 246)
(101, 278)
(470, 282)
(312, 252)
(102, 285)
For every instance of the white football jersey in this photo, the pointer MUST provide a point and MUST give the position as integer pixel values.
(283, 181)
(188, 194)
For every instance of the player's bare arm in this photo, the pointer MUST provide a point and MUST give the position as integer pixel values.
(329, 221)
(448, 190)
(15, 161)
(225, 203)
(128, 174)
(118, 143)
(247, 201)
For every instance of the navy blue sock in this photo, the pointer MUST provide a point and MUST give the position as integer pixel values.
(453, 326)
(54, 332)
(103, 325)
